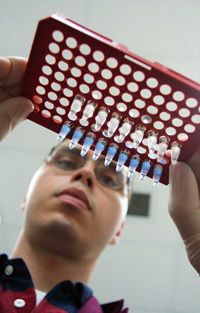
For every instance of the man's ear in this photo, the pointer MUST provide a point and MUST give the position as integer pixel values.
(117, 235)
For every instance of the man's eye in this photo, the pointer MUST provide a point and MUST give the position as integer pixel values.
(108, 180)
(66, 164)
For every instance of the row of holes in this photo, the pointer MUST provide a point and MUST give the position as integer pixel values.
(122, 107)
(158, 125)
(119, 80)
(134, 113)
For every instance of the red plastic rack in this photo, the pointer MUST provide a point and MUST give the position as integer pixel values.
(68, 59)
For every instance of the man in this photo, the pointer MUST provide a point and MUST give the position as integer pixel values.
(74, 208)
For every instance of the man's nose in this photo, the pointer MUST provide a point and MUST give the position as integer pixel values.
(84, 174)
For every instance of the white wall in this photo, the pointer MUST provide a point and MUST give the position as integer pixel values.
(149, 268)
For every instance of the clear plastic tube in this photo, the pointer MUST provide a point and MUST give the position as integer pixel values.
(157, 173)
(112, 150)
(100, 146)
(123, 156)
(77, 135)
(146, 165)
(88, 141)
(134, 162)
(65, 130)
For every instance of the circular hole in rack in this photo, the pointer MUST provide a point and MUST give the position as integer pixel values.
(47, 70)
(165, 89)
(52, 96)
(171, 131)
(134, 113)
(72, 82)
(46, 113)
(141, 150)
(64, 102)
(191, 102)
(133, 87)
(184, 112)
(98, 56)
(146, 119)
(152, 82)
(164, 116)
(54, 48)
(60, 111)
(106, 74)
(159, 100)
(139, 76)
(88, 78)
(112, 62)
(67, 92)
(182, 137)
(125, 69)
(43, 80)
(152, 109)
(196, 119)
(109, 101)
(119, 80)
(85, 49)
(158, 125)
(140, 104)
(40, 90)
(101, 84)
(63, 66)
(178, 96)
(177, 122)
(57, 119)
(76, 72)
(59, 76)
(189, 128)
(55, 86)
(84, 88)
(171, 106)
(93, 67)
(114, 91)
(145, 93)
(127, 97)
(49, 105)
(71, 42)
(121, 107)
(37, 99)
(96, 94)
(58, 35)
(67, 54)
(50, 59)
(80, 61)
(129, 144)
(36, 108)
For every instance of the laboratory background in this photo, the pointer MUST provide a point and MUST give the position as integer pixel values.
(149, 267)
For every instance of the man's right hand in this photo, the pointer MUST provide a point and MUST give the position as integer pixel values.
(13, 108)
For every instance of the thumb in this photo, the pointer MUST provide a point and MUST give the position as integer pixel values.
(184, 200)
(12, 112)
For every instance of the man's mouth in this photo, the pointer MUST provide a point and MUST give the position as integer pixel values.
(75, 197)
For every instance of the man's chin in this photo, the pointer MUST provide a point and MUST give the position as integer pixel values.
(57, 236)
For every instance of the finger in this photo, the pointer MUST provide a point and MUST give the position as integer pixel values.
(11, 70)
(184, 199)
(12, 112)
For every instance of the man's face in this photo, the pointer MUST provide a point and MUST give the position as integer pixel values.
(71, 206)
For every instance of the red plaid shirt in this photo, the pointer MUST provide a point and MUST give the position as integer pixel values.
(17, 294)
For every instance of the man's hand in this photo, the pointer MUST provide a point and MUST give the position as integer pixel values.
(13, 109)
(184, 205)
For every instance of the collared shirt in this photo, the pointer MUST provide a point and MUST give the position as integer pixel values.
(17, 294)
